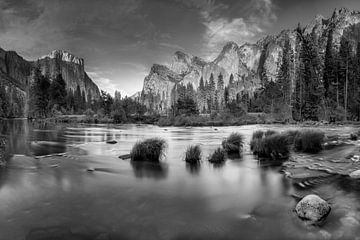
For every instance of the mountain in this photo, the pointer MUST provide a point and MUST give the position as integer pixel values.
(72, 70)
(253, 65)
(16, 77)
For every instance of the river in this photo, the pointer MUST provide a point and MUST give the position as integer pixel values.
(85, 191)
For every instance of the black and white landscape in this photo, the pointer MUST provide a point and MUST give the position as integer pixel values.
(172, 119)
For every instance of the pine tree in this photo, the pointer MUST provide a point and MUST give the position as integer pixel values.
(329, 68)
(39, 95)
(58, 92)
(284, 82)
(211, 92)
(344, 73)
(220, 92)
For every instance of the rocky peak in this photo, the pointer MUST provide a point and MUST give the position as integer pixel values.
(64, 56)
(315, 24)
(230, 46)
(182, 56)
(181, 62)
(229, 51)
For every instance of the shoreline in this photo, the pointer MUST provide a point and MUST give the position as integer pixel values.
(81, 120)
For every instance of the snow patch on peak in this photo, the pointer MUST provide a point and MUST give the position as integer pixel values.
(64, 56)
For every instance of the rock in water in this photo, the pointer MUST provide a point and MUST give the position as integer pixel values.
(312, 209)
(355, 174)
(111, 142)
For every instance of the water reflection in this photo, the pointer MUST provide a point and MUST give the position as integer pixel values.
(149, 170)
(47, 198)
(193, 168)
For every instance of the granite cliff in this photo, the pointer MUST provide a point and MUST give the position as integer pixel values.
(16, 77)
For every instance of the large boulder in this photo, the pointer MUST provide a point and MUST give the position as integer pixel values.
(355, 174)
(312, 209)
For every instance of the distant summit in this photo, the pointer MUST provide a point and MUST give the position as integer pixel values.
(64, 56)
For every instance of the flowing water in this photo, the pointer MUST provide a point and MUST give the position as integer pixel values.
(65, 182)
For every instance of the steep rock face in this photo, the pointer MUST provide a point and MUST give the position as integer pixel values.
(72, 70)
(15, 76)
(15, 67)
(159, 85)
(254, 64)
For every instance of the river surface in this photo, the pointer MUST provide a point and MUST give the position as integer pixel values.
(85, 191)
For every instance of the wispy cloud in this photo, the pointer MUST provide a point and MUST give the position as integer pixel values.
(246, 27)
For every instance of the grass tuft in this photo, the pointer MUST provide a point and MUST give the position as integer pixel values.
(218, 156)
(291, 135)
(309, 141)
(270, 132)
(193, 154)
(150, 150)
(233, 144)
(274, 147)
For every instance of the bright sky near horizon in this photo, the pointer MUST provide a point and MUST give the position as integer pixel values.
(121, 39)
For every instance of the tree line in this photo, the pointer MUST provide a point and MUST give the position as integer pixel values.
(51, 97)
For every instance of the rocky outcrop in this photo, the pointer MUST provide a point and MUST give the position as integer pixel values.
(72, 70)
(15, 77)
(312, 209)
(355, 174)
(252, 65)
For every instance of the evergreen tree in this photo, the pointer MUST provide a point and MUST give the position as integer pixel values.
(58, 92)
(329, 68)
(345, 73)
(39, 95)
(284, 82)
(211, 93)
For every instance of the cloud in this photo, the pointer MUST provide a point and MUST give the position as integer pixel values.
(241, 28)
(106, 84)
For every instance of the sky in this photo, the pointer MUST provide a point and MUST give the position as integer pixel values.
(121, 39)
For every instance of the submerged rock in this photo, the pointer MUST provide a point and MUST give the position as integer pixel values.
(355, 174)
(312, 209)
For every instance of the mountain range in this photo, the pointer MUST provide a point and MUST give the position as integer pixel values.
(252, 65)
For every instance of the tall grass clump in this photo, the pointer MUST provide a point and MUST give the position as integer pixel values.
(270, 132)
(233, 144)
(218, 156)
(256, 137)
(309, 141)
(269, 144)
(193, 154)
(274, 146)
(150, 150)
(291, 135)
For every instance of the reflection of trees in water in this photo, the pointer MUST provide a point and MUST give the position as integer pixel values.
(21, 132)
(4, 174)
(149, 170)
